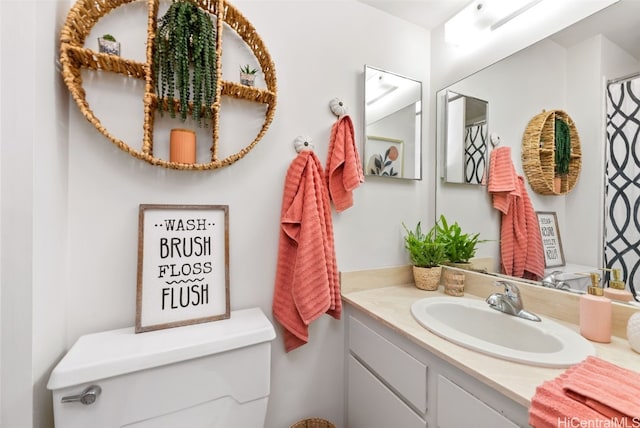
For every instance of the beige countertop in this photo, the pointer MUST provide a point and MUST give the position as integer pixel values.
(387, 295)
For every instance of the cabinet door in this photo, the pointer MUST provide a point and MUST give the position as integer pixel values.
(403, 373)
(372, 405)
(458, 408)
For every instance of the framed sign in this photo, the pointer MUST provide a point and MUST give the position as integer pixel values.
(551, 242)
(183, 265)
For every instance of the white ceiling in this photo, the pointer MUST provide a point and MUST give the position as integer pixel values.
(425, 13)
(619, 22)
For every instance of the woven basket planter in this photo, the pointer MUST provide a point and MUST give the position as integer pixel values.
(538, 154)
(313, 423)
(427, 278)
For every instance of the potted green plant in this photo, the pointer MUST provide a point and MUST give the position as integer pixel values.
(460, 247)
(427, 254)
(562, 154)
(109, 45)
(184, 62)
(248, 75)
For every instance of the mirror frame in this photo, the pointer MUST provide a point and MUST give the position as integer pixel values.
(389, 150)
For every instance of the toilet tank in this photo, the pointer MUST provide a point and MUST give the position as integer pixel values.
(215, 374)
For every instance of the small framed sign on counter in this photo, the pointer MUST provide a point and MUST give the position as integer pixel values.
(183, 265)
(551, 242)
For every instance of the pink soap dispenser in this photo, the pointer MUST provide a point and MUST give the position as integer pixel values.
(617, 289)
(595, 312)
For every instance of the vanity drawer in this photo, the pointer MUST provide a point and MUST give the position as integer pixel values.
(402, 372)
(459, 408)
(372, 404)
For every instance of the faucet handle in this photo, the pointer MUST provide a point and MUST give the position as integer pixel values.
(510, 290)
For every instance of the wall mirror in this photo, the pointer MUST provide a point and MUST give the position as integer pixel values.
(570, 70)
(465, 138)
(393, 125)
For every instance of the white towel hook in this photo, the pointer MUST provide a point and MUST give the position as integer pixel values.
(337, 107)
(495, 139)
(302, 142)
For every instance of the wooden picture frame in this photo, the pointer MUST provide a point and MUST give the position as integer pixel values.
(183, 265)
(551, 241)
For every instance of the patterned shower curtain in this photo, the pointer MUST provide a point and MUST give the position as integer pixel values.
(622, 187)
(475, 148)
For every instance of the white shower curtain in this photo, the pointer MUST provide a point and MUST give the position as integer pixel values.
(622, 187)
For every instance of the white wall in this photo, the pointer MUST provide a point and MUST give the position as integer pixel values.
(498, 86)
(70, 198)
(33, 153)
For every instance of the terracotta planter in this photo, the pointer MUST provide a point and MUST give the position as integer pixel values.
(557, 184)
(427, 278)
(182, 146)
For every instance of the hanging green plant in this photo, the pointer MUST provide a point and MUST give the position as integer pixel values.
(563, 147)
(184, 61)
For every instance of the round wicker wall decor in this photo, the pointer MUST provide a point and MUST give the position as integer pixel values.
(538, 154)
(74, 57)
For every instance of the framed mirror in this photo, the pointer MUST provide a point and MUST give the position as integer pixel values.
(393, 125)
(465, 135)
(573, 71)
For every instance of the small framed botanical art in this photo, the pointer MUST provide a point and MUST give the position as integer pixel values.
(385, 156)
(183, 265)
(551, 242)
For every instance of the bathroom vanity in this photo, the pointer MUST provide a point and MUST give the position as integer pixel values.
(394, 382)
(400, 374)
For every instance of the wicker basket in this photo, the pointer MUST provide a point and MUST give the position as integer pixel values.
(74, 57)
(453, 283)
(427, 278)
(538, 153)
(313, 423)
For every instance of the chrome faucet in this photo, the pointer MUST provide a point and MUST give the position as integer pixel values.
(551, 281)
(510, 302)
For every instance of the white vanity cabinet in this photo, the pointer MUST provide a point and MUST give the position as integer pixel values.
(393, 382)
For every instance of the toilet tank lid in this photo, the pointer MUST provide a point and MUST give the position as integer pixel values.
(117, 352)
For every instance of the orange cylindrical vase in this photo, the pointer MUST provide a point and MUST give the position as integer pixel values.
(182, 146)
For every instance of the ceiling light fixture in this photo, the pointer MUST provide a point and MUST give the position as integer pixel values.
(481, 17)
(378, 87)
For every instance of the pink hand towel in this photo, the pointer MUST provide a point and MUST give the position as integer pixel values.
(520, 240)
(592, 393)
(344, 170)
(551, 408)
(611, 390)
(306, 284)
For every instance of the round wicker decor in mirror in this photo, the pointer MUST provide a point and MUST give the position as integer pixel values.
(74, 57)
(540, 145)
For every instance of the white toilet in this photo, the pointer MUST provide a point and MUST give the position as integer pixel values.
(209, 375)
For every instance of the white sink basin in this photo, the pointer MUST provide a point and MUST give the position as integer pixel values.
(474, 325)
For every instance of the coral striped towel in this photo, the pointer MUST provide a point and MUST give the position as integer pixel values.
(344, 170)
(610, 390)
(520, 240)
(594, 391)
(551, 408)
(306, 284)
